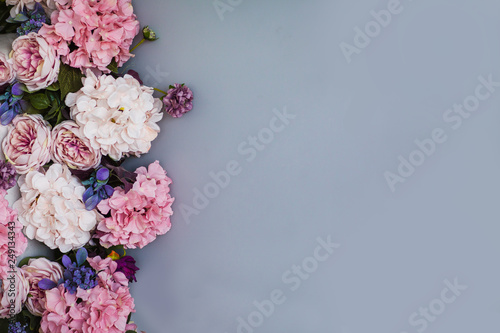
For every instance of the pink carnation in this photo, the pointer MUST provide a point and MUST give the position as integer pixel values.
(100, 31)
(104, 308)
(8, 215)
(139, 215)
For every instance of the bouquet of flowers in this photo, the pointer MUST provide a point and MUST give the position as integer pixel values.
(68, 121)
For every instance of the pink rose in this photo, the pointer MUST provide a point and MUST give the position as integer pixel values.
(71, 147)
(35, 61)
(14, 291)
(27, 144)
(7, 73)
(36, 270)
(8, 219)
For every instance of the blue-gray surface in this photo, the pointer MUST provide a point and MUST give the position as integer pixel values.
(357, 159)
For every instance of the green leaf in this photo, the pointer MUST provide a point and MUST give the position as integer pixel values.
(39, 101)
(54, 86)
(53, 97)
(29, 109)
(54, 111)
(31, 319)
(60, 118)
(70, 80)
(113, 66)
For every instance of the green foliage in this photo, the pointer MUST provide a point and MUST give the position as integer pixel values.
(48, 103)
(39, 101)
(70, 80)
(32, 320)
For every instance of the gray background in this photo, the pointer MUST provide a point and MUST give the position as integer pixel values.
(324, 174)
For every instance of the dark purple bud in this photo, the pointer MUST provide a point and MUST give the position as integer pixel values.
(7, 116)
(66, 261)
(87, 194)
(46, 284)
(102, 174)
(17, 89)
(92, 202)
(109, 190)
(4, 107)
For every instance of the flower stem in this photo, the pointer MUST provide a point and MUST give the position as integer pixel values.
(142, 41)
(159, 90)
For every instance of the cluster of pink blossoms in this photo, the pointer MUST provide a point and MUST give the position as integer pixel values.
(104, 308)
(99, 32)
(139, 215)
(9, 225)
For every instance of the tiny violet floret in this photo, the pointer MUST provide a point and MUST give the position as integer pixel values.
(76, 275)
(17, 327)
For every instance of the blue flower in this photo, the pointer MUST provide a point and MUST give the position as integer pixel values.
(78, 276)
(12, 103)
(32, 20)
(98, 188)
(75, 275)
(17, 327)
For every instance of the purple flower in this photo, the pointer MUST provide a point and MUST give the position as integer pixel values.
(127, 266)
(76, 275)
(179, 100)
(98, 189)
(7, 175)
(12, 103)
(32, 21)
(17, 327)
